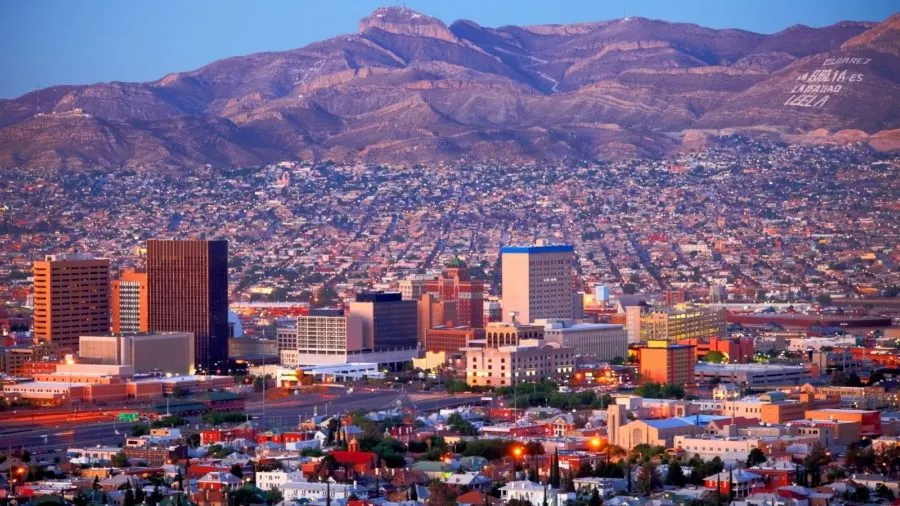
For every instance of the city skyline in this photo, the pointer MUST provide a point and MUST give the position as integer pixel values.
(469, 253)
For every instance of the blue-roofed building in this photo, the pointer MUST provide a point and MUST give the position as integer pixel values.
(702, 420)
(537, 282)
(533, 250)
(655, 432)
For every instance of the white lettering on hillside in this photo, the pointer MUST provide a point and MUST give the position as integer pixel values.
(814, 89)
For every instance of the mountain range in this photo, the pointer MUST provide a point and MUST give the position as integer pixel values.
(407, 88)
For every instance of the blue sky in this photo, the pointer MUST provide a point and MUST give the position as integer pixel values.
(47, 42)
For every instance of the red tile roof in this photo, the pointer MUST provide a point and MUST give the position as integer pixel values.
(354, 458)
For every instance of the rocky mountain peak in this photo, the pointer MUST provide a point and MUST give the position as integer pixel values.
(404, 21)
(885, 35)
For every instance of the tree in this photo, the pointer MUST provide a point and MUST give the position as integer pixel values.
(119, 460)
(155, 496)
(618, 361)
(457, 423)
(815, 461)
(517, 502)
(836, 473)
(884, 492)
(653, 390)
(440, 494)
(647, 479)
(645, 452)
(140, 429)
(129, 496)
(80, 499)
(274, 496)
(554, 470)
(755, 457)
(237, 470)
(824, 299)
(715, 357)
(861, 495)
(455, 386)
(259, 383)
(675, 475)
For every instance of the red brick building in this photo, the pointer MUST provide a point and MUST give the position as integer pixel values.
(210, 436)
(455, 284)
(738, 350)
(450, 340)
(358, 462)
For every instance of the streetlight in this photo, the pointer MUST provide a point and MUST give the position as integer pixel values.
(70, 362)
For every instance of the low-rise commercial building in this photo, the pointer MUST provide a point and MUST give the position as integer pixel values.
(869, 421)
(591, 341)
(674, 323)
(251, 349)
(665, 362)
(753, 375)
(450, 340)
(730, 449)
(531, 360)
(166, 352)
(498, 334)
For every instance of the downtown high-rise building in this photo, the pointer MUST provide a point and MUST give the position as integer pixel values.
(71, 298)
(388, 322)
(188, 292)
(128, 301)
(456, 285)
(537, 282)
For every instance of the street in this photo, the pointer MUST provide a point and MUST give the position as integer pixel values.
(50, 438)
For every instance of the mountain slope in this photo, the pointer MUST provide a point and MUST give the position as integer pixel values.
(407, 88)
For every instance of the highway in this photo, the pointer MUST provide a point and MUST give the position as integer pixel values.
(284, 414)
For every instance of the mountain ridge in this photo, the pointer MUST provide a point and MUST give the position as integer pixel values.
(408, 88)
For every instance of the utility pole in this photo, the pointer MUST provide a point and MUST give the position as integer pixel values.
(264, 392)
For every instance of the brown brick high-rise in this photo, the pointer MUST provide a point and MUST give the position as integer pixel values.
(188, 292)
(71, 298)
(455, 284)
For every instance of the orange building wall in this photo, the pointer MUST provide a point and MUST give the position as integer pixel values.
(870, 421)
(130, 275)
(672, 365)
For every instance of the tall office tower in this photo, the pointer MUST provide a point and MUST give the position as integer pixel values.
(388, 321)
(455, 284)
(71, 298)
(434, 312)
(128, 299)
(188, 292)
(537, 282)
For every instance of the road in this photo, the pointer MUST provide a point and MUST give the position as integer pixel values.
(284, 414)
